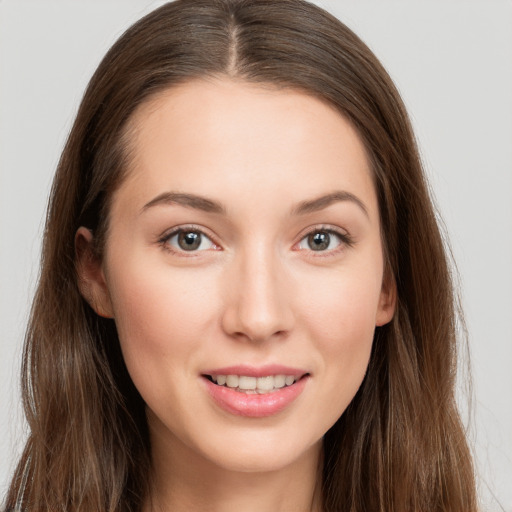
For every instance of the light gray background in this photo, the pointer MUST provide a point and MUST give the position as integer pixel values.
(452, 61)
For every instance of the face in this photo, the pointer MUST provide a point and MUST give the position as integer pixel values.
(244, 270)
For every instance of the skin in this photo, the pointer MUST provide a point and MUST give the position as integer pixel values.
(254, 293)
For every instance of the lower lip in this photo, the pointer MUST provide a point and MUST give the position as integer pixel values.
(255, 405)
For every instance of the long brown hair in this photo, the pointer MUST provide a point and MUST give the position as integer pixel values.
(400, 445)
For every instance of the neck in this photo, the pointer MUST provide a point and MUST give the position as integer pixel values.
(183, 480)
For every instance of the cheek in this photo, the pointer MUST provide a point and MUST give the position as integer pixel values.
(341, 309)
(161, 317)
(340, 317)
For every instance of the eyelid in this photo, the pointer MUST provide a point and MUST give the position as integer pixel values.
(346, 240)
(164, 238)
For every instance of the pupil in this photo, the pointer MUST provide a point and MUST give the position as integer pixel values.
(319, 241)
(189, 240)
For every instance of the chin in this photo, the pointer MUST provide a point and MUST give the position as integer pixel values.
(264, 455)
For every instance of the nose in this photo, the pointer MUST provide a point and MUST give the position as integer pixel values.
(258, 305)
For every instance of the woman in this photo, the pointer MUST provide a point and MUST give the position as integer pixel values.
(239, 302)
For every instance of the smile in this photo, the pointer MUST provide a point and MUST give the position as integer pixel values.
(252, 385)
(255, 392)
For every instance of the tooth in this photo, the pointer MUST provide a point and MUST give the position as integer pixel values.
(232, 381)
(279, 381)
(256, 384)
(265, 383)
(245, 382)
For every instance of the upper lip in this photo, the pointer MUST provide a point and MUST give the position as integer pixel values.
(257, 371)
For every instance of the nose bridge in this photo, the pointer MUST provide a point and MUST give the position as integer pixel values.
(259, 305)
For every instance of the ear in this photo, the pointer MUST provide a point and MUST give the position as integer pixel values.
(387, 300)
(91, 278)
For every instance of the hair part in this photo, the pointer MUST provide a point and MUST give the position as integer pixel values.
(400, 444)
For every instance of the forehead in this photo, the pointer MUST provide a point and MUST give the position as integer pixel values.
(246, 141)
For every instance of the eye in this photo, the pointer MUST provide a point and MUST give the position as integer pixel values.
(189, 240)
(323, 240)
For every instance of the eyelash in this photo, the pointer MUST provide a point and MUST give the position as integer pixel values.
(164, 239)
(345, 239)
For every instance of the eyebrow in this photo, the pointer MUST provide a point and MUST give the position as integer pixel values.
(187, 200)
(211, 206)
(322, 202)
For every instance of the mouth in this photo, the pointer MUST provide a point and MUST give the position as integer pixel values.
(255, 392)
(252, 385)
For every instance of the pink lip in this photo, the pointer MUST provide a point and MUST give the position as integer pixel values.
(255, 405)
